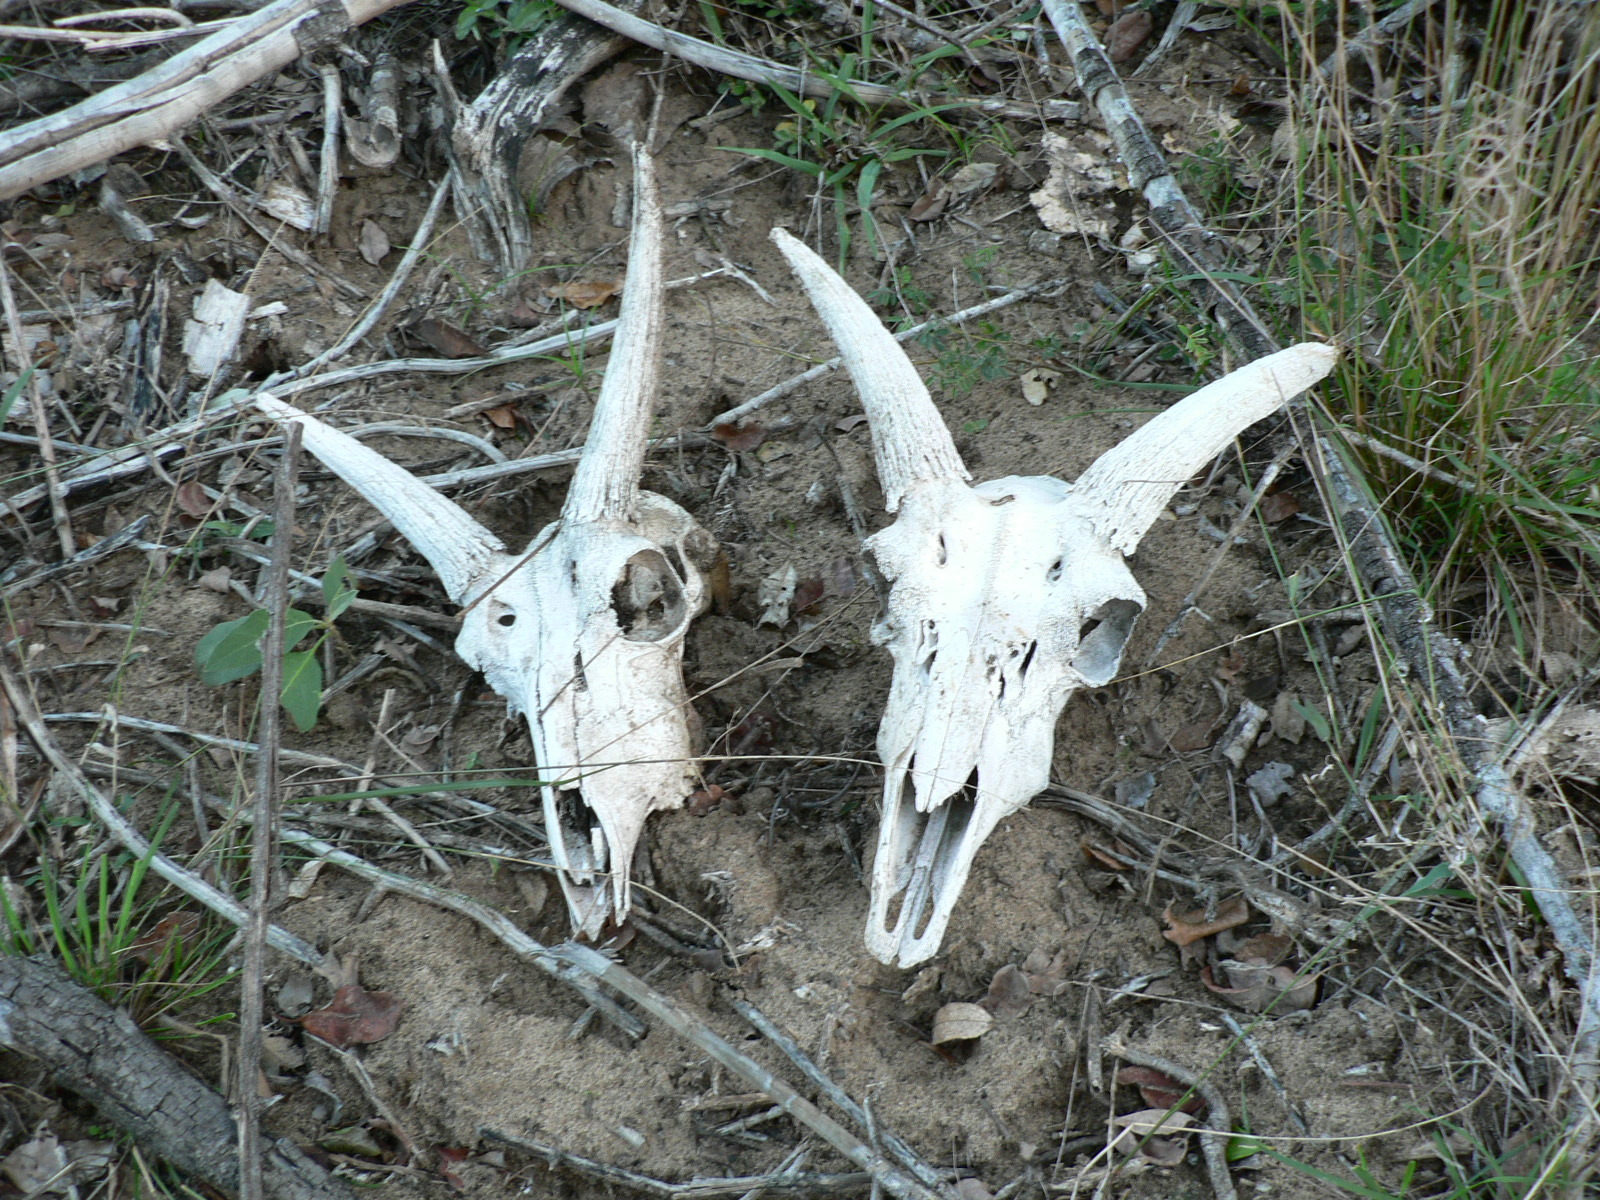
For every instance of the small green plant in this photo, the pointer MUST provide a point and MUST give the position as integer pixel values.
(513, 21)
(232, 650)
(113, 937)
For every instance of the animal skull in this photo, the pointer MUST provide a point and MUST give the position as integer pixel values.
(1004, 599)
(583, 633)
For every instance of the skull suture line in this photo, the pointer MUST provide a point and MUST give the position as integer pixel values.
(583, 633)
(1004, 599)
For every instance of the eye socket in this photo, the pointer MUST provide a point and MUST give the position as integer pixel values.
(506, 619)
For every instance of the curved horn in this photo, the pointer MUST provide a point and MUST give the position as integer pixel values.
(606, 481)
(909, 438)
(1135, 478)
(459, 548)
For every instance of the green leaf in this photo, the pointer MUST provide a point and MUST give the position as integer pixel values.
(1315, 719)
(337, 588)
(786, 160)
(302, 687)
(231, 650)
(296, 625)
(11, 393)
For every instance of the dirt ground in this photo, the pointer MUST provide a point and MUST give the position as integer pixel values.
(776, 864)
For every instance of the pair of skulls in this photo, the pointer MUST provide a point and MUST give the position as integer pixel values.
(1003, 600)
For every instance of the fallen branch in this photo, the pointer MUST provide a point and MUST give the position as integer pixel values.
(1218, 1123)
(736, 63)
(1405, 617)
(97, 1052)
(152, 105)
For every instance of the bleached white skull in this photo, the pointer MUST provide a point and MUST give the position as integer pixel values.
(583, 633)
(1004, 599)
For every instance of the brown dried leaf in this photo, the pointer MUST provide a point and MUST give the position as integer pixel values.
(808, 594)
(1127, 33)
(1158, 1089)
(1100, 858)
(192, 499)
(106, 606)
(931, 204)
(740, 437)
(217, 580)
(175, 931)
(846, 424)
(1138, 1126)
(1191, 926)
(504, 417)
(1196, 735)
(960, 1022)
(584, 294)
(373, 243)
(1230, 666)
(356, 1017)
(1264, 949)
(446, 338)
(1278, 506)
(1255, 989)
(703, 800)
(1009, 992)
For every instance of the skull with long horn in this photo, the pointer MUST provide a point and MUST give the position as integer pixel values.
(1004, 599)
(583, 633)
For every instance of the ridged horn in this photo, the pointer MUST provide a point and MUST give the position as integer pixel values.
(1135, 479)
(460, 550)
(909, 438)
(606, 481)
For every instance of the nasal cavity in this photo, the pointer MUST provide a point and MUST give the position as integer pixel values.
(648, 598)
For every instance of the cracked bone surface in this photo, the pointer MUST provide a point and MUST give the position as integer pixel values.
(1004, 599)
(583, 633)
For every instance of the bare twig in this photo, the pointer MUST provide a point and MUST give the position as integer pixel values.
(739, 412)
(263, 844)
(41, 419)
(328, 166)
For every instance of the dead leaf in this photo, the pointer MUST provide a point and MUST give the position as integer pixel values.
(356, 1017)
(931, 204)
(373, 243)
(703, 800)
(584, 294)
(450, 1157)
(1230, 666)
(217, 580)
(853, 421)
(172, 934)
(1100, 858)
(1009, 992)
(960, 1022)
(775, 596)
(1127, 33)
(1278, 506)
(46, 1165)
(1271, 783)
(1262, 950)
(1159, 1090)
(1046, 975)
(1192, 925)
(192, 499)
(1196, 735)
(420, 737)
(1168, 1128)
(106, 606)
(808, 594)
(73, 640)
(1288, 722)
(925, 984)
(1257, 988)
(504, 417)
(447, 339)
(973, 178)
(739, 437)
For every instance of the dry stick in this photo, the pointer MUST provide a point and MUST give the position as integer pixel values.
(741, 411)
(152, 105)
(1406, 619)
(263, 820)
(41, 420)
(328, 166)
(1219, 1124)
(724, 61)
(896, 1146)
(692, 1029)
